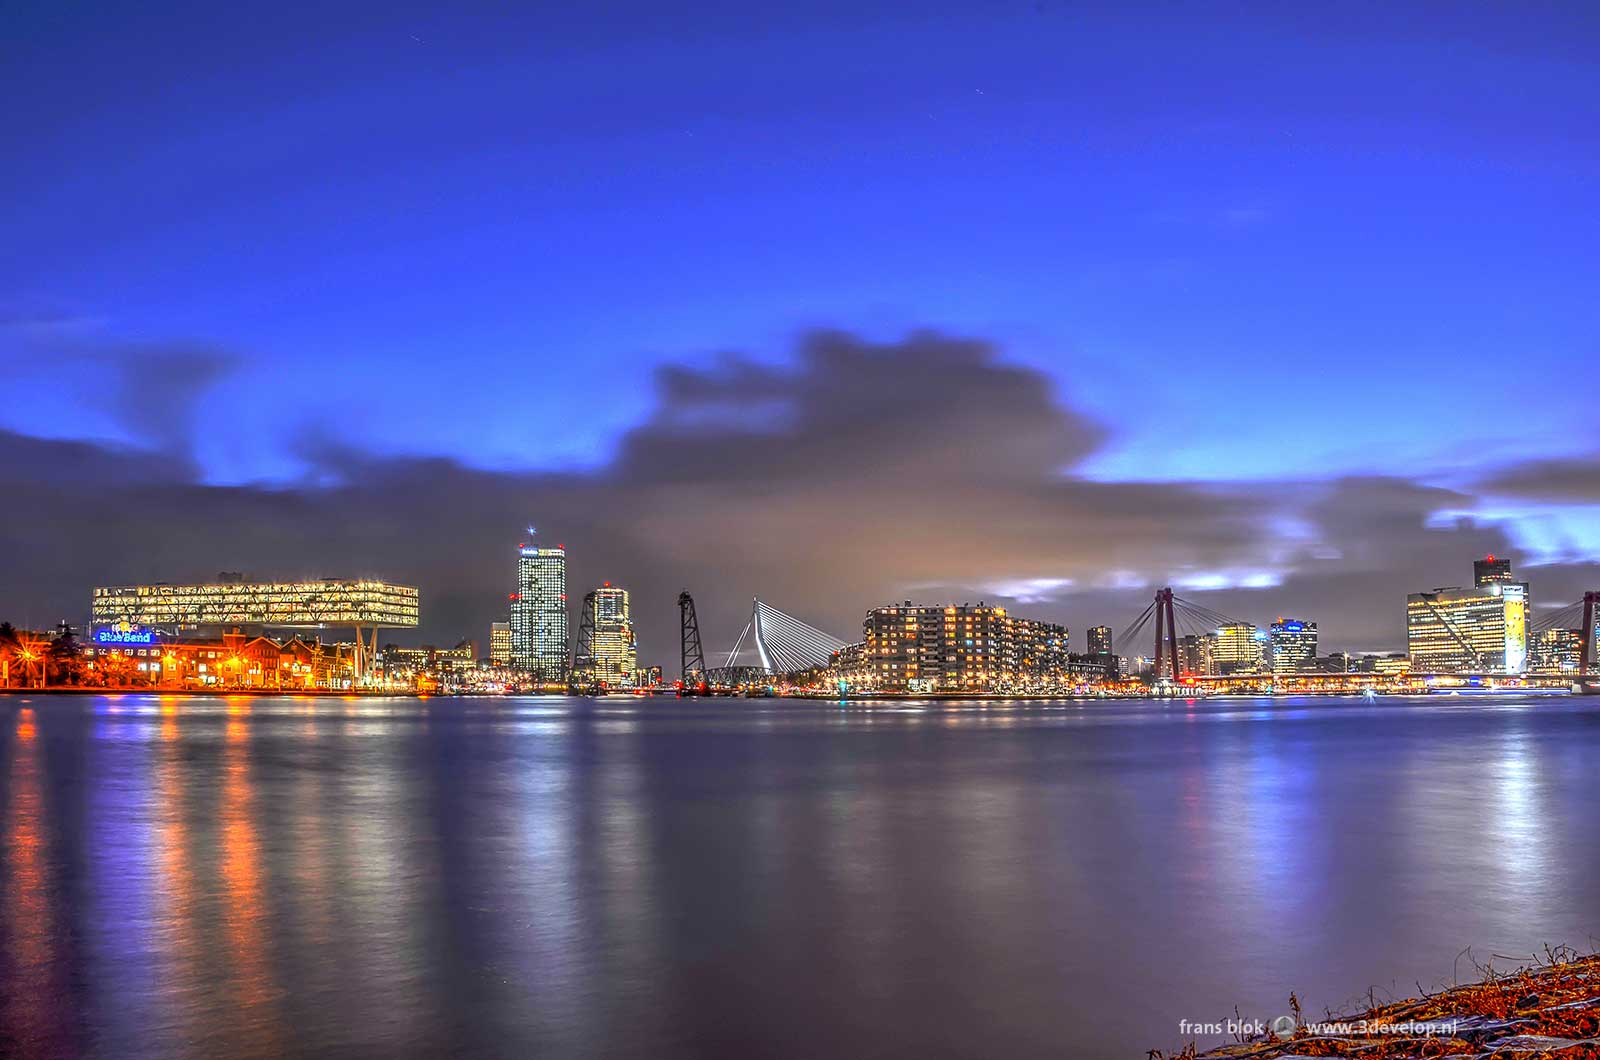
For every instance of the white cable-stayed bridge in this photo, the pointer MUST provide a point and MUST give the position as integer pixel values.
(779, 642)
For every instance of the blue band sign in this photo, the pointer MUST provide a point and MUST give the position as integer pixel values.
(124, 636)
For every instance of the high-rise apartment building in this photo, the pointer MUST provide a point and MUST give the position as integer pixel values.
(1294, 646)
(956, 647)
(539, 613)
(615, 655)
(500, 643)
(1240, 649)
(1099, 640)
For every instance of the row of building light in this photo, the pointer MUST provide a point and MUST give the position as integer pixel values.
(1482, 629)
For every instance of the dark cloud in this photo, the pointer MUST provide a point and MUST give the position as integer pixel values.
(151, 393)
(859, 474)
(157, 391)
(1564, 481)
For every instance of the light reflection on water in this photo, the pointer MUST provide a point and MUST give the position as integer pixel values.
(243, 876)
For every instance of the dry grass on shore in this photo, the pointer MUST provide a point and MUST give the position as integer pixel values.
(1542, 1011)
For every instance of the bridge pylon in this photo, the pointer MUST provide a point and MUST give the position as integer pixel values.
(1166, 633)
(1586, 643)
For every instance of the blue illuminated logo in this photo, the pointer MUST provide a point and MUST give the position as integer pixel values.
(124, 636)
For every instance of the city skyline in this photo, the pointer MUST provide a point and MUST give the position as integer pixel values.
(1488, 628)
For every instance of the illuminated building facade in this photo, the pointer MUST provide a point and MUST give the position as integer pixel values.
(1490, 569)
(1240, 649)
(961, 647)
(616, 656)
(1556, 651)
(362, 604)
(1475, 630)
(429, 668)
(1294, 646)
(539, 613)
(500, 643)
(1100, 652)
(329, 602)
(233, 660)
(1197, 654)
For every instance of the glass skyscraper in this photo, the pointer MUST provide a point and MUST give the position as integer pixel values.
(1294, 646)
(615, 655)
(539, 613)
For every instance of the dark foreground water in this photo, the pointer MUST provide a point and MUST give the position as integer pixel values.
(624, 878)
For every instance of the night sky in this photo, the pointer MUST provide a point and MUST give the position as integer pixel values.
(1040, 303)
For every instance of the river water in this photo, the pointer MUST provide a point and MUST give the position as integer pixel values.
(665, 878)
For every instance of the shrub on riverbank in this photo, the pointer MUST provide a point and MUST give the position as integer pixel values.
(1541, 1011)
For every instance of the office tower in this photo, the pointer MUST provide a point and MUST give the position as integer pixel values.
(1099, 651)
(615, 654)
(500, 643)
(1240, 649)
(1294, 646)
(539, 613)
(1490, 569)
(1455, 630)
(1556, 651)
(1197, 654)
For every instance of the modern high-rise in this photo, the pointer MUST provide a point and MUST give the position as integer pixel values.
(1456, 630)
(1556, 651)
(615, 653)
(1197, 654)
(1240, 649)
(1100, 652)
(1490, 569)
(953, 647)
(1294, 646)
(539, 613)
(500, 643)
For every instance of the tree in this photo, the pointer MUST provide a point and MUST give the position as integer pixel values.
(65, 658)
(10, 653)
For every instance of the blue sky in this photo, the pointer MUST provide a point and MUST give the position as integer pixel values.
(1252, 242)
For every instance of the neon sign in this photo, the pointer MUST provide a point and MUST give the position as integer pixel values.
(124, 636)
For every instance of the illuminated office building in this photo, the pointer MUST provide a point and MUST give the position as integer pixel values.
(615, 653)
(1490, 569)
(328, 602)
(1240, 649)
(1479, 630)
(1197, 654)
(539, 613)
(364, 605)
(1556, 651)
(500, 643)
(1294, 646)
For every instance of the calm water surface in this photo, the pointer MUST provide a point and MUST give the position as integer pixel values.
(624, 878)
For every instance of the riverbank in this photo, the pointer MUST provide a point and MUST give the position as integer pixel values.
(1543, 1010)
